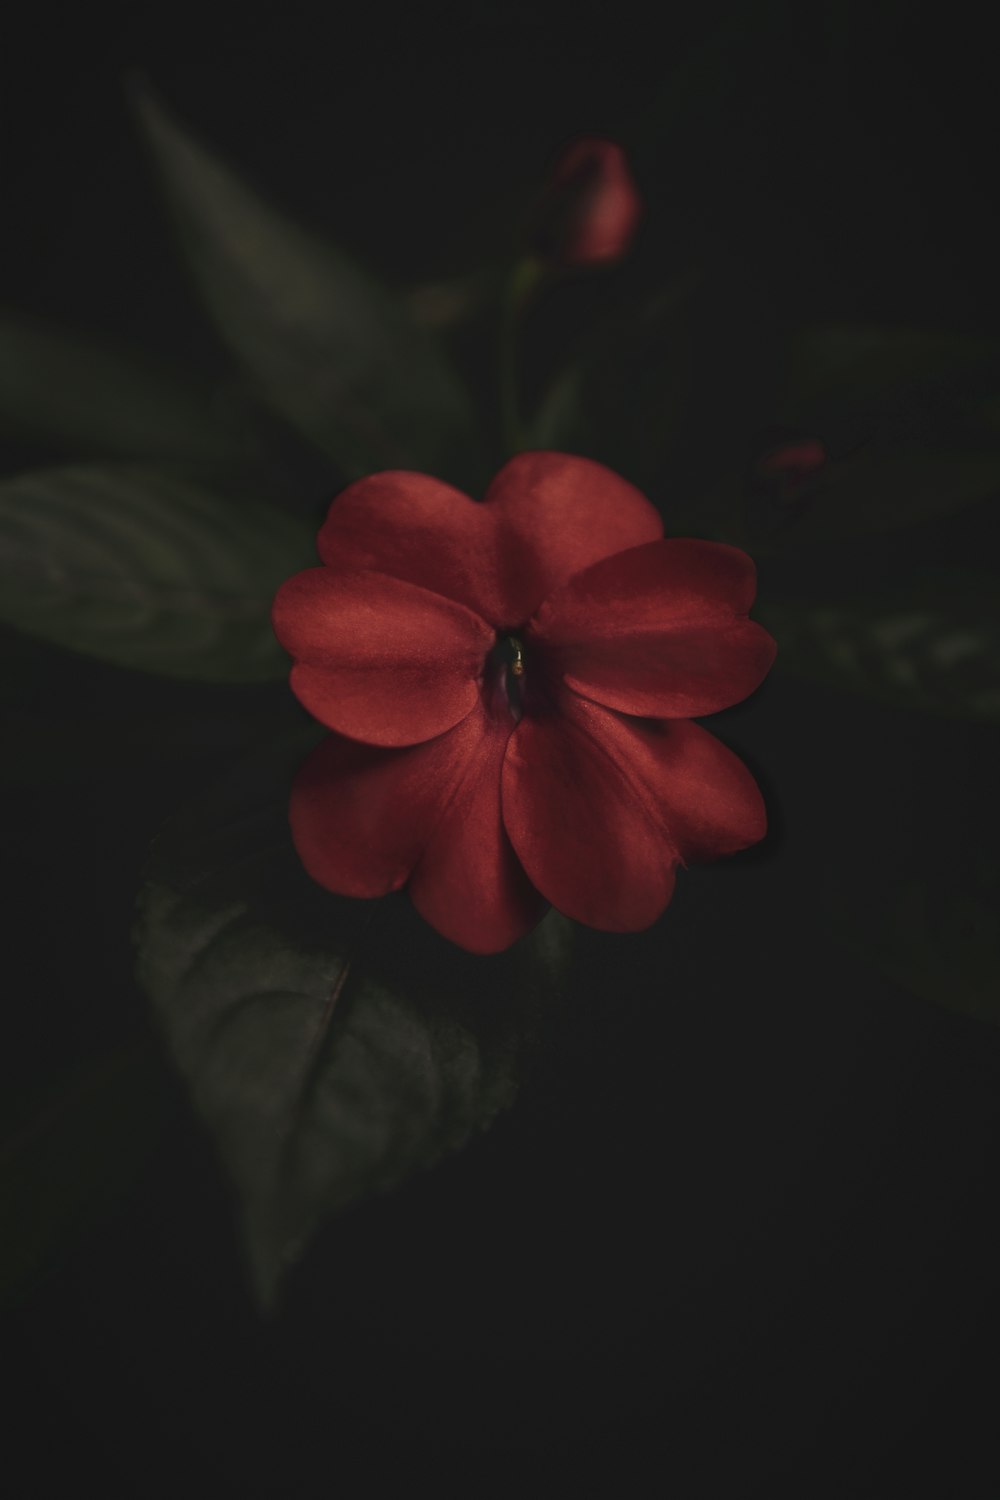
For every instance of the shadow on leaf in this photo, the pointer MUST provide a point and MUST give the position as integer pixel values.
(333, 1047)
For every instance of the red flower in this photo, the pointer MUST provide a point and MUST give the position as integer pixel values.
(512, 684)
(592, 207)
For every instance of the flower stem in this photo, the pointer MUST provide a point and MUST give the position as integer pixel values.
(523, 278)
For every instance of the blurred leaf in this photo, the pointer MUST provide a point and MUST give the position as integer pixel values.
(934, 646)
(939, 939)
(333, 1047)
(80, 392)
(72, 1154)
(624, 399)
(667, 393)
(834, 369)
(443, 304)
(559, 423)
(146, 571)
(338, 355)
(886, 485)
(906, 409)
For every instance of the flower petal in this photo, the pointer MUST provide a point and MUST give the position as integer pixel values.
(415, 528)
(659, 630)
(377, 659)
(601, 808)
(469, 883)
(557, 514)
(545, 516)
(364, 819)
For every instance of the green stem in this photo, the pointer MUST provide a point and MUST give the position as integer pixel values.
(521, 282)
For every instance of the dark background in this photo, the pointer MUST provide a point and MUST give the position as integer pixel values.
(737, 1235)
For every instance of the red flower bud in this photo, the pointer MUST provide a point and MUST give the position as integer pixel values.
(591, 207)
(790, 467)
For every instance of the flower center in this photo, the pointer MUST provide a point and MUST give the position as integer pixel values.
(507, 664)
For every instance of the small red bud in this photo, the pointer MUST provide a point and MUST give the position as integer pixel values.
(591, 207)
(791, 466)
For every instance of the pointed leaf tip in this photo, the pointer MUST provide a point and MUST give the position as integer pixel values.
(334, 1048)
(337, 354)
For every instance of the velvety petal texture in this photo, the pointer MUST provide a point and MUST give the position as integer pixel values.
(660, 630)
(380, 660)
(556, 515)
(544, 517)
(468, 883)
(365, 820)
(601, 808)
(511, 683)
(581, 825)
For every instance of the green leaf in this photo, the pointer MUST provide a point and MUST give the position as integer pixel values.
(333, 1047)
(146, 571)
(72, 1153)
(624, 400)
(665, 393)
(885, 486)
(87, 396)
(558, 423)
(940, 940)
(831, 370)
(337, 354)
(906, 408)
(934, 647)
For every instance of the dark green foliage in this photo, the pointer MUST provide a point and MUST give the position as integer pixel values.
(333, 1047)
(147, 571)
(335, 353)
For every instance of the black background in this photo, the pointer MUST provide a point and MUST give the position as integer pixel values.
(737, 1235)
